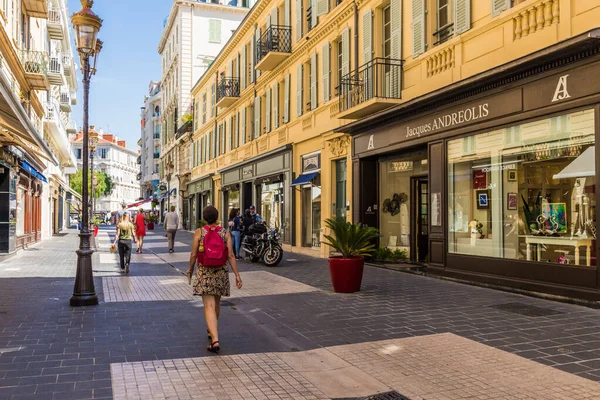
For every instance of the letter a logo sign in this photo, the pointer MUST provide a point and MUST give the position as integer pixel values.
(371, 145)
(561, 92)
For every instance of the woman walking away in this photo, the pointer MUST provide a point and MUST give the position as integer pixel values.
(235, 227)
(211, 249)
(140, 231)
(125, 235)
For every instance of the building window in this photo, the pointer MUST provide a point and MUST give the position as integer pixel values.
(387, 32)
(339, 64)
(214, 30)
(103, 153)
(533, 199)
(204, 109)
(78, 152)
(445, 22)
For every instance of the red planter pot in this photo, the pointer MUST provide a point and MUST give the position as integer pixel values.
(346, 274)
(150, 226)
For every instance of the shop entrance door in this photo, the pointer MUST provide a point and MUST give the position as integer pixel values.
(420, 219)
(246, 196)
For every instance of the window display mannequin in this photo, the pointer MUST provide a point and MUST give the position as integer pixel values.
(580, 210)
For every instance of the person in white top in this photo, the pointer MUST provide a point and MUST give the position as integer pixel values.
(171, 224)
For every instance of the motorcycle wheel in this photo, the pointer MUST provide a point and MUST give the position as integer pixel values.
(273, 258)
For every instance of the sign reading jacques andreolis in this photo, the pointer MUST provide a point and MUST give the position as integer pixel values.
(485, 109)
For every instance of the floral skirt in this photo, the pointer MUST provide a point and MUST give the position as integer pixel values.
(211, 281)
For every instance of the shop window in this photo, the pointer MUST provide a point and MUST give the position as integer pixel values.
(528, 199)
(340, 188)
(270, 197)
(311, 213)
(20, 211)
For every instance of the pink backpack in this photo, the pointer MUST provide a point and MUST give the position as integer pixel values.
(212, 251)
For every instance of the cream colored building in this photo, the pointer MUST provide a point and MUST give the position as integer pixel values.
(271, 113)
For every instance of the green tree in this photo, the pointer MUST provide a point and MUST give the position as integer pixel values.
(104, 183)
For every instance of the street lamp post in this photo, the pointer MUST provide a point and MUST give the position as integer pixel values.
(86, 24)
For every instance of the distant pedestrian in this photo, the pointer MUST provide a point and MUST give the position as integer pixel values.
(121, 212)
(171, 225)
(256, 217)
(140, 232)
(211, 250)
(124, 237)
(235, 227)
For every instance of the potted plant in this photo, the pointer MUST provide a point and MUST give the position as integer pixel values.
(152, 219)
(353, 242)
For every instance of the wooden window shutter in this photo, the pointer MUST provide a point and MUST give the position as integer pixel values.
(396, 47)
(345, 52)
(252, 56)
(418, 28)
(462, 16)
(326, 73)
(298, 26)
(275, 105)
(268, 110)
(286, 13)
(243, 67)
(313, 14)
(313, 81)
(243, 121)
(322, 7)
(498, 6)
(286, 99)
(257, 117)
(367, 34)
(212, 100)
(299, 87)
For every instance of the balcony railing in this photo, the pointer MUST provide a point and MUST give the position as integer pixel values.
(277, 42)
(35, 65)
(186, 127)
(55, 71)
(65, 101)
(53, 114)
(228, 90)
(378, 82)
(71, 126)
(55, 24)
(139, 160)
(443, 34)
(67, 66)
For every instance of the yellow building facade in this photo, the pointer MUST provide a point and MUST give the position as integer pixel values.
(271, 114)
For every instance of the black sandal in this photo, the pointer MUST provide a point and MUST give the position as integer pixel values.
(212, 348)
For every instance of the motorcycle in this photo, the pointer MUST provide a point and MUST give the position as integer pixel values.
(264, 245)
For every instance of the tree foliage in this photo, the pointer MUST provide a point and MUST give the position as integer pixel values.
(103, 187)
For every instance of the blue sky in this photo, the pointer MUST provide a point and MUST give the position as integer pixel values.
(127, 64)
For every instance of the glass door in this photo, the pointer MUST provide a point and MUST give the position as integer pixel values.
(340, 188)
(421, 219)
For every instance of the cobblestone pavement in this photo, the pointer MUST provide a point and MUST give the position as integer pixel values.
(424, 337)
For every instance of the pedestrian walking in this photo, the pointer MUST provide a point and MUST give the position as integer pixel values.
(235, 227)
(140, 231)
(124, 237)
(211, 250)
(171, 224)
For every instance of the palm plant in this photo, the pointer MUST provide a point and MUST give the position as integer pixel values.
(351, 240)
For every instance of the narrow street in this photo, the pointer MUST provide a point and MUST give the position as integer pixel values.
(285, 335)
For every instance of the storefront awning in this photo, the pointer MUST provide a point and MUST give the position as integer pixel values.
(29, 168)
(582, 166)
(303, 179)
(167, 194)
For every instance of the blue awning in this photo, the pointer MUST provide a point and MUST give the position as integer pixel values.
(304, 178)
(167, 194)
(31, 169)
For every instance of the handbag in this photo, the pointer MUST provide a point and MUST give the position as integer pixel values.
(113, 248)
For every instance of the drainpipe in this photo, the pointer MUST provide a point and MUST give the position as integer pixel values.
(355, 37)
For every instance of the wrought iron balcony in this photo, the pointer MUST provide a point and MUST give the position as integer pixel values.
(65, 102)
(35, 65)
(55, 26)
(228, 91)
(36, 8)
(373, 87)
(56, 74)
(274, 46)
(185, 128)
